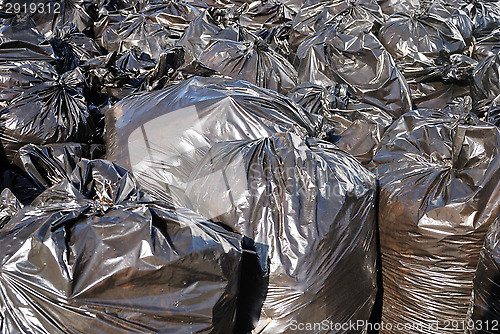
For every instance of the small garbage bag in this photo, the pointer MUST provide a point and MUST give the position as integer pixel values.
(421, 43)
(16, 77)
(352, 126)
(20, 40)
(485, 16)
(212, 24)
(485, 84)
(94, 253)
(47, 165)
(438, 174)
(262, 14)
(307, 210)
(349, 16)
(9, 205)
(278, 38)
(494, 112)
(437, 94)
(51, 112)
(160, 136)
(252, 61)
(72, 48)
(484, 313)
(487, 45)
(357, 60)
(146, 32)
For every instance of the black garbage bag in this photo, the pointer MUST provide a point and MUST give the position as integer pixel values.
(252, 61)
(48, 165)
(484, 313)
(160, 136)
(487, 45)
(485, 16)
(485, 84)
(114, 76)
(357, 60)
(94, 253)
(16, 77)
(212, 24)
(437, 94)
(422, 42)
(352, 126)
(351, 16)
(20, 184)
(390, 7)
(278, 38)
(438, 173)
(307, 210)
(9, 205)
(265, 14)
(51, 112)
(72, 48)
(494, 112)
(149, 31)
(20, 40)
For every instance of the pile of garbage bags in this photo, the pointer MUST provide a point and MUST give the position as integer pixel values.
(246, 166)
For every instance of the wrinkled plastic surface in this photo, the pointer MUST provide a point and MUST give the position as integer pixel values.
(421, 43)
(20, 40)
(438, 173)
(307, 210)
(494, 112)
(349, 16)
(162, 135)
(47, 165)
(485, 306)
(485, 84)
(94, 253)
(51, 112)
(354, 127)
(9, 205)
(357, 60)
(252, 61)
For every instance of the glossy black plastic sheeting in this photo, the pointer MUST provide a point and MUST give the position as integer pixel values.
(438, 173)
(94, 252)
(307, 210)
(484, 313)
(51, 112)
(161, 136)
(352, 126)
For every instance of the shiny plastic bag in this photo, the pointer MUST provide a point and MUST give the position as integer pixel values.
(350, 16)
(253, 61)
(354, 127)
(360, 62)
(20, 40)
(51, 112)
(484, 314)
(72, 48)
(152, 30)
(47, 165)
(94, 253)
(161, 136)
(438, 173)
(307, 211)
(485, 84)
(422, 42)
(263, 14)
(494, 112)
(9, 205)
(16, 77)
